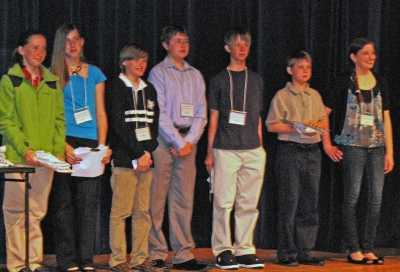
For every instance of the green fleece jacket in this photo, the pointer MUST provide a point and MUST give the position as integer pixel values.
(31, 118)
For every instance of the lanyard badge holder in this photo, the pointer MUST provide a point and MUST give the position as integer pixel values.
(81, 115)
(367, 118)
(143, 133)
(187, 110)
(238, 117)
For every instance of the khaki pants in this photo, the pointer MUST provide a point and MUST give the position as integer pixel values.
(14, 217)
(238, 178)
(173, 179)
(131, 197)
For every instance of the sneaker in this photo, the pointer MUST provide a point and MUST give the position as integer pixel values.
(249, 261)
(122, 267)
(147, 266)
(313, 261)
(225, 260)
(191, 265)
(291, 262)
(158, 263)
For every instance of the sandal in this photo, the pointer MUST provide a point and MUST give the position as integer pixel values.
(89, 269)
(363, 261)
(379, 260)
(374, 259)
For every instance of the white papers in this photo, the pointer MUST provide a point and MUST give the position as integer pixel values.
(3, 161)
(91, 165)
(311, 129)
(134, 164)
(211, 181)
(48, 160)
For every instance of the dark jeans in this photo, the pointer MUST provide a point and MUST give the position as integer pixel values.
(74, 211)
(355, 161)
(298, 168)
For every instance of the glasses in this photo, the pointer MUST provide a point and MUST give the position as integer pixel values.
(179, 41)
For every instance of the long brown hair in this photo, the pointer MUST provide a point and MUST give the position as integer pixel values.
(355, 46)
(58, 65)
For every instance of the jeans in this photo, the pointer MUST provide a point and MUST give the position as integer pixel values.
(355, 161)
(298, 170)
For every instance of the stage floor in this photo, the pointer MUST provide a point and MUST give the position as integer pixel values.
(334, 262)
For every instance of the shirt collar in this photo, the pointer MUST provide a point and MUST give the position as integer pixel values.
(128, 83)
(29, 75)
(167, 63)
(297, 91)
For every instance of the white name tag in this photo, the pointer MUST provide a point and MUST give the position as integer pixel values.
(367, 120)
(82, 115)
(187, 110)
(237, 117)
(143, 134)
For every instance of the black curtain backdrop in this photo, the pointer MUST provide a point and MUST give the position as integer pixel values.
(323, 28)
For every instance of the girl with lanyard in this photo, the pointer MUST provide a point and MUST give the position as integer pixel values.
(363, 133)
(31, 103)
(75, 198)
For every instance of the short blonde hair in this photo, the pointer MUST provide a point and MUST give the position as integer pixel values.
(231, 36)
(131, 51)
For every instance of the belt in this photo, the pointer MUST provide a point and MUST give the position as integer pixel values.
(311, 145)
(182, 130)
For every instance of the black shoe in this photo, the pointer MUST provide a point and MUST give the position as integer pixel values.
(24, 270)
(225, 260)
(249, 261)
(191, 265)
(159, 263)
(291, 262)
(363, 261)
(313, 261)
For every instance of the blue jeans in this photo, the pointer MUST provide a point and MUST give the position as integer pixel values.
(298, 169)
(355, 161)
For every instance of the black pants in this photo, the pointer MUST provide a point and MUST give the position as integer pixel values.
(74, 207)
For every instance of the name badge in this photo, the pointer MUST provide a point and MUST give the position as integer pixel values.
(187, 110)
(82, 115)
(237, 117)
(143, 134)
(367, 120)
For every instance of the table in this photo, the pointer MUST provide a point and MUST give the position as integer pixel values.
(22, 169)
